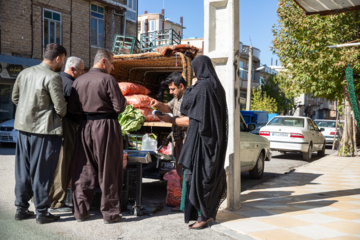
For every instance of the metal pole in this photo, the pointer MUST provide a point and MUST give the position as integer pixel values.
(344, 45)
(248, 94)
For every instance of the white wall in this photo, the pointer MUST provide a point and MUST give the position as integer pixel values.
(221, 44)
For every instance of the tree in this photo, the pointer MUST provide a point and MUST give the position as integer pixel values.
(301, 43)
(270, 86)
(262, 103)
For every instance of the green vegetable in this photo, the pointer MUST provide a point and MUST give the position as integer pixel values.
(130, 120)
(153, 136)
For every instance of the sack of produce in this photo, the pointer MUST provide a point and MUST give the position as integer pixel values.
(139, 100)
(149, 117)
(173, 196)
(128, 88)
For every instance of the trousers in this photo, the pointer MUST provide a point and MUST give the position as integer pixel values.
(35, 163)
(62, 175)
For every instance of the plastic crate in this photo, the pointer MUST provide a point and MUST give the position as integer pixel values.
(133, 141)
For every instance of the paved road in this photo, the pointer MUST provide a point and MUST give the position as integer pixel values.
(279, 164)
(161, 223)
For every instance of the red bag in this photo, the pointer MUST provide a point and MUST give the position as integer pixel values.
(128, 88)
(167, 150)
(149, 117)
(173, 196)
(139, 100)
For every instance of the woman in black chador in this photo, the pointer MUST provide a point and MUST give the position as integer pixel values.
(204, 150)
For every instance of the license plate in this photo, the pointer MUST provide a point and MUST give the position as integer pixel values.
(280, 134)
(4, 134)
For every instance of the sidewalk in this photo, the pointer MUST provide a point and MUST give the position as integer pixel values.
(320, 200)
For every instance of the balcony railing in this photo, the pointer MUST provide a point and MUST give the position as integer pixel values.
(126, 45)
(244, 50)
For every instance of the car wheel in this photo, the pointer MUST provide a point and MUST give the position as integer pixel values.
(307, 155)
(258, 171)
(322, 151)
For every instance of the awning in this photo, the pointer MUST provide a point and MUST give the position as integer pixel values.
(327, 7)
(11, 66)
(19, 60)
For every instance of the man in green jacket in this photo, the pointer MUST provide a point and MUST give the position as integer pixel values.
(40, 102)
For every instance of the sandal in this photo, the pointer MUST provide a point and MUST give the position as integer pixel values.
(201, 226)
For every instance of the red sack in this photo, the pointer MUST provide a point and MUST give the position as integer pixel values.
(139, 100)
(173, 196)
(128, 88)
(149, 117)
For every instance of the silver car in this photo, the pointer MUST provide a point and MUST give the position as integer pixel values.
(254, 151)
(8, 134)
(330, 133)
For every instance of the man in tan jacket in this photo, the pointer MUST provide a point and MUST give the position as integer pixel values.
(40, 104)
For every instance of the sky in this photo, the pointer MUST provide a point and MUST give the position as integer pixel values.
(256, 20)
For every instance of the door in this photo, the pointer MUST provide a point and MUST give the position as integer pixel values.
(316, 135)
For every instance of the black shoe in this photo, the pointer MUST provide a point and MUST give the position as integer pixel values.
(61, 209)
(24, 215)
(117, 219)
(83, 218)
(47, 218)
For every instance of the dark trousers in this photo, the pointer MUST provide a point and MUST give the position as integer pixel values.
(35, 163)
(98, 160)
(62, 175)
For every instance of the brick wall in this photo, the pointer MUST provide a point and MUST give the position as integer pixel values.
(131, 28)
(17, 30)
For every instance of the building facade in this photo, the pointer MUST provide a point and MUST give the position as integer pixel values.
(81, 26)
(157, 22)
(244, 68)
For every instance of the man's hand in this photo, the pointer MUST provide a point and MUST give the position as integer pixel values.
(178, 121)
(162, 107)
(166, 118)
(155, 103)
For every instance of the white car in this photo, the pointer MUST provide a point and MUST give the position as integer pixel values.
(8, 134)
(254, 151)
(329, 132)
(294, 134)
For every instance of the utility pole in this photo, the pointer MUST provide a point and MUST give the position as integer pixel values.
(248, 94)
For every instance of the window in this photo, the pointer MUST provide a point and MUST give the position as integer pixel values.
(131, 12)
(97, 26)
(151, 26)
(51, 27)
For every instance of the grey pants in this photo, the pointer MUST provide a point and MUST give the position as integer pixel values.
(36, 159)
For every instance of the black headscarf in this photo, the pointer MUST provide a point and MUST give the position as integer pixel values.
(204, 150)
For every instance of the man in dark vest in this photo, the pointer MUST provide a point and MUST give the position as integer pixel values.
(74, 68)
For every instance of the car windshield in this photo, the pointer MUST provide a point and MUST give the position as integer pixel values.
(290, 122)
(321, 124)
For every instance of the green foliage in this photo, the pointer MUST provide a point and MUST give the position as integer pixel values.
(271, 88)
(130, 120)
(301, 43)
(263, 102)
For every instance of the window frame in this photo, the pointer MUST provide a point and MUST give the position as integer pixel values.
(132, 9)
(97, 26)
(49, 31)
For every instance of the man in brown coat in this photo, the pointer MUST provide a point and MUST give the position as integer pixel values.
(99, 145)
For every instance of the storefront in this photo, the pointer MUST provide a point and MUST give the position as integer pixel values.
(10, 67)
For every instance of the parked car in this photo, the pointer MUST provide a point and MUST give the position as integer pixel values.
(254, 151)
(8, 134)
(294, 134)
(330, 133)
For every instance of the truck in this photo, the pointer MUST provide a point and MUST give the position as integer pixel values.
(259, 118)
